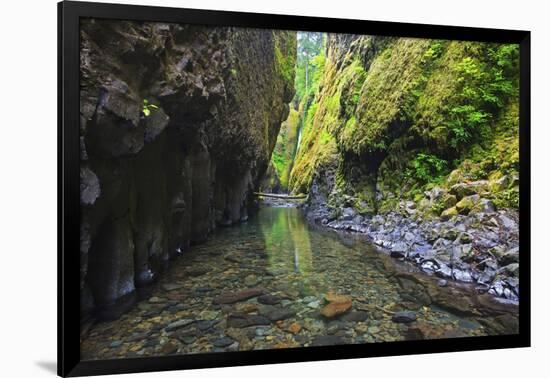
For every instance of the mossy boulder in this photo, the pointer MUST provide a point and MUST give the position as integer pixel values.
(448, 200)
(499, 184)
(449, 213)
(466, 204)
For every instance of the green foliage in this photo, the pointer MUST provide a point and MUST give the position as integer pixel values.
(507, 199)
(309, 64)
(484, 82)
(412, 111)
(427, 168)
(147, 108)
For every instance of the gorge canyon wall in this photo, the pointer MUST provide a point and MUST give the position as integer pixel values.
(178, 124)
(416, 143)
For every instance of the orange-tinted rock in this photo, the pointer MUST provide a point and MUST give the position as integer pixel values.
(295, 328)
(338, 304)
(336, 308)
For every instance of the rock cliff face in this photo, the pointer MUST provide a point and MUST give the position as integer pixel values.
(276, 177)
(177, 127)
(407, 138)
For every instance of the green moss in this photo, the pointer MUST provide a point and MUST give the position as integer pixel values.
(404, 114)
(390, 78)
(285, 57)
(285, 148)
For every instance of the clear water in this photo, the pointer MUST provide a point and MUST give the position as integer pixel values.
(279, 252)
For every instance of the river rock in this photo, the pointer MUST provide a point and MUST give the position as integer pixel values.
(294, 328)
(169, 348)
(269, 299)
(115, 344)
(326, 340)
(223, 342)
(404, 317)
(171, 286)
(355, 316)
(276, 314)
(338, 305)
(228, 298)
(179, 324)
(246, 320)
(197, 271)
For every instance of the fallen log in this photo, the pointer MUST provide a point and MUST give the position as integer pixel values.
(280, 196)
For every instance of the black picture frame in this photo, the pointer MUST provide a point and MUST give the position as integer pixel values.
(69, 14)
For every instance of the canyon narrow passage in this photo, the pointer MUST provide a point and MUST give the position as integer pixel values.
(246, 189)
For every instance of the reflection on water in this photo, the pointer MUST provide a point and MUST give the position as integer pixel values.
(278, 253)
(286, 238)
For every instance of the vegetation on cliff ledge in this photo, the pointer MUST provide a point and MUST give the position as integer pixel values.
(393, 118)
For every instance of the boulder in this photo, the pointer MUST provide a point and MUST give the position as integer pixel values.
(449, 213)
(466, 204)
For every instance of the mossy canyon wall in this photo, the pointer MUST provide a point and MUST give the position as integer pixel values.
(394, 118)
(178, 124)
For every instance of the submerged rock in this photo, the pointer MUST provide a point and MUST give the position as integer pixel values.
(243, 295)
(327, 340)
(269, 299)
(179, 324)
(246, 320)
(338, 305)
(404, 317)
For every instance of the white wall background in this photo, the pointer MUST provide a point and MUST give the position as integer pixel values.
(28, 157)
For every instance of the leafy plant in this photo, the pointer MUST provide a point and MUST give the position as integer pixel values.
(484, 83)
(147, 108)
(427, 168)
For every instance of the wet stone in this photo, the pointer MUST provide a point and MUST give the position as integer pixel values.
(203, 289)
(169, 348)
(269, 299)
(171, 287)
(326, 340)
(203, 325)
(404, 317)
(215, 311)
(196, 272)
(223, 342)
(179, 324)
(138, 337)
(355, 316)
(275, 314)
(115, 344)
(233, 297)
(242, 321)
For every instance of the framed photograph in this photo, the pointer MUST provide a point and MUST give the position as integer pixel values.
(241, 188)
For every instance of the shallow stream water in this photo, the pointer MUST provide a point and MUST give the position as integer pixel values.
(262, 285)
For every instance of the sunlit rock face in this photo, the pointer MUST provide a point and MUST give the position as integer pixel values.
(177, 126)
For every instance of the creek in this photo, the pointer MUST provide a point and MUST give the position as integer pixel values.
(264, 284)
